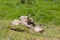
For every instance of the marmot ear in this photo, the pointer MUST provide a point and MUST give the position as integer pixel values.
(27, 18)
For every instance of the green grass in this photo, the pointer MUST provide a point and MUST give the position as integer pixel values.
(46, 12)
(51, 32)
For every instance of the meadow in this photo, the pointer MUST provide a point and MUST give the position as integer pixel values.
(46, 12)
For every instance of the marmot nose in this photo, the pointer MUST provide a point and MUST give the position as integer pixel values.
(41, 31)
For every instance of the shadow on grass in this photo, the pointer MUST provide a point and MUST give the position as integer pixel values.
(18, 30)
